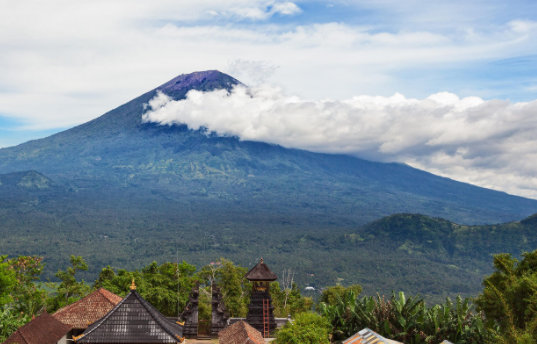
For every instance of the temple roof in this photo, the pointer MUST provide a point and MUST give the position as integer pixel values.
(261, 272)
(367, 336)
(133, 320)
(42, 330)
(240, 333)
(89, 309)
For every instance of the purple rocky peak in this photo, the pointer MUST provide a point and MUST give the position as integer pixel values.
(211, 78)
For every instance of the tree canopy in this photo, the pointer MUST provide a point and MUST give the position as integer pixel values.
(509, 297)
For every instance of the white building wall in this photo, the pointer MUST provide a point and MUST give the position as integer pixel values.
(63, 340)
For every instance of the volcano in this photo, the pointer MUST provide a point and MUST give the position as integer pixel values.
(131, 192)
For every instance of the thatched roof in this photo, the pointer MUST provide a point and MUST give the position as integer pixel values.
(261, 272)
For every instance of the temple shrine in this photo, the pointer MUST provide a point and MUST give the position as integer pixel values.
(104, 317)
(261, 311)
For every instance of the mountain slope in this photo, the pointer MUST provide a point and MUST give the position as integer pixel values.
(153, 190)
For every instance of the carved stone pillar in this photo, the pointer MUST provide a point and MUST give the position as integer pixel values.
(190, 314)
(219, 315)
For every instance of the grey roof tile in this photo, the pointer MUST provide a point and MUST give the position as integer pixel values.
(132, 321)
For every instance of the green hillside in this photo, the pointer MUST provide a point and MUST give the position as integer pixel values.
(433, 255)
(124, 193)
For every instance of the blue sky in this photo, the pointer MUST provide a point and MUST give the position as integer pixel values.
(65, 63)
(10, 132)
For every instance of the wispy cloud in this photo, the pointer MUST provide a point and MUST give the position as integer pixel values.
(251, 72)
(259, 11)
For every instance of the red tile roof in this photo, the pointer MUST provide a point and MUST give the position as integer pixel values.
(240, 333)
(42, 330)
(89, 309)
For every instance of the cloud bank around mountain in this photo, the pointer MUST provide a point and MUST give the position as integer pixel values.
(488, 143)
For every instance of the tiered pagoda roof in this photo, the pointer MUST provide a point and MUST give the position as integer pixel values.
(133, 320)
(42, 330)
(240, 333)
(261, 272)
(88, 310)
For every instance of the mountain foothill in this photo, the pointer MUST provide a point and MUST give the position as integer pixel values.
(121, 192)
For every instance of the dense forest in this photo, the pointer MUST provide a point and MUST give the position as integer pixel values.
(417, 253)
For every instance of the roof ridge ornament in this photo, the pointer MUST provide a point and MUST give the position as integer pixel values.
(133, 286)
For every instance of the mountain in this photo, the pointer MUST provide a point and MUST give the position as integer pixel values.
(433, 256)
(126, 193)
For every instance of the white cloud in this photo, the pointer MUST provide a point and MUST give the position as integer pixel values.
(523, 26)
(285, 8)
(488, 143)
(251, 72)
(263, 11)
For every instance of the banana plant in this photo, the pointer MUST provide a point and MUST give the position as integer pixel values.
(406, 319)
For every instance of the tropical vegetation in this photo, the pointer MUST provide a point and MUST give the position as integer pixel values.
(406, 319)
(504, 312)
(306, 328)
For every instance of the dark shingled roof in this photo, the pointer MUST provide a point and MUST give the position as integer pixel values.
(240, 333)
(42, 330)
(88, 310)
(261, 272)
(133, 320)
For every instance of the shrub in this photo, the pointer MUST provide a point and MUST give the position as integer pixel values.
(306, 328)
